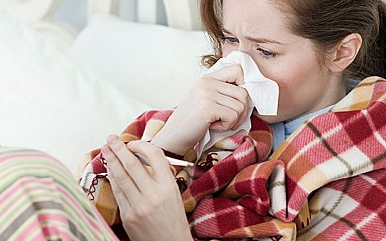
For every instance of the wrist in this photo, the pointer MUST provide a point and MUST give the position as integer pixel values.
(168, 141)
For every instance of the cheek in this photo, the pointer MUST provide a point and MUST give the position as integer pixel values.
(291, 74)
(295, 81)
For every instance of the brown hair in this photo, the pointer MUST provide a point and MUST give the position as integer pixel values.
(325, 23)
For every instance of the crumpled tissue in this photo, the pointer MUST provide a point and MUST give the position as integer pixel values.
(263, 94)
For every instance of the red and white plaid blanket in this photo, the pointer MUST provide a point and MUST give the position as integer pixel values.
(325, 182)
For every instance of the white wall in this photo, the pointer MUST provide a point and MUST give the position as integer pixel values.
(74, 12)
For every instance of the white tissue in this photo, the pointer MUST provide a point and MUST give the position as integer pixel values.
(263, 93)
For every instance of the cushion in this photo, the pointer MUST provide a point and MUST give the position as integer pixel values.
(153, 63)
(49, 103)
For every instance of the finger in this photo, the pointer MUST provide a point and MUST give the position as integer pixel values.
(156, 158)
(133, 166)
(243, 115)
(234, 74)
(241, 106)
(226, 118)
(221, 93)
(229, 74)
(124, 184)
(230, 102)
(228, 112)
(235, 92)
(119, 195)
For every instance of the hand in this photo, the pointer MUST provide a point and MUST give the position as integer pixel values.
(150, 204)
(215, 102)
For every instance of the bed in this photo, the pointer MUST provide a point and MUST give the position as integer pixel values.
(63, 91)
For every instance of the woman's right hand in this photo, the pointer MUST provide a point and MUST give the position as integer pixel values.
(215, 102)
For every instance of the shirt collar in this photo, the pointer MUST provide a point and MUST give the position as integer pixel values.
(282, 131)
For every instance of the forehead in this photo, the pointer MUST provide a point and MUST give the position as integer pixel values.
(254, 17)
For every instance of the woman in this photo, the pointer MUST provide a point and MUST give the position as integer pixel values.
(311, 49)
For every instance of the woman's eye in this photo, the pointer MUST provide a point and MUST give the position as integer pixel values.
(230, 40)
(266, 54)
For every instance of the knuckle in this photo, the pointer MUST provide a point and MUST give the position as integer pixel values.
(128, 217)
(141, 212)
(232, 121)
(120, 179)
(244, 94)
(134, 216)
(240, 109)
(234, 116)
(131, 164)
(156, 201)
(154, 151)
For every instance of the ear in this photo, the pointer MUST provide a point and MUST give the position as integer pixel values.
(345, 52)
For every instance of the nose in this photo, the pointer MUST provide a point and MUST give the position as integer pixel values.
(245, 48)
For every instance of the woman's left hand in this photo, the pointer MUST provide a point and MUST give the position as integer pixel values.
(150, 204)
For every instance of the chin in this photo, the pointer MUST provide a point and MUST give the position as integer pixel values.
(270, 119)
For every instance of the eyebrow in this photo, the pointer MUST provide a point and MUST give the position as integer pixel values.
(256, 40)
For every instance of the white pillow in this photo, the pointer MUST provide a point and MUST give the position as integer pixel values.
(153, 63)
(49, 103)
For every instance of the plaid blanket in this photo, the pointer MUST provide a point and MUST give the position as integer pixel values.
(325, 182)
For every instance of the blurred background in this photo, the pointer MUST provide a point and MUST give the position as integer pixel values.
(73, 12)
(75, 71)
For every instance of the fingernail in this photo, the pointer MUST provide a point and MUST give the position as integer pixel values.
(111, 139)
(105, 149)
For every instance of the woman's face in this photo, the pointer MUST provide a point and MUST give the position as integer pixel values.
(260, 29)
